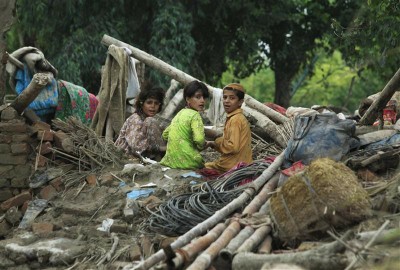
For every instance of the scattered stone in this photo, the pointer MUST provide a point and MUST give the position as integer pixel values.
(16, 201)
(5, 228)
(45, 135)
(134, 252)
(91, 179)
(9, 113)
(42, 228)
(5, 194)
(48, 192)
(13, 216)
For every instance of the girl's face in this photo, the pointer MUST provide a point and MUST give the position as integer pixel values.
(231, 101)
(150, 107)
(197, 101)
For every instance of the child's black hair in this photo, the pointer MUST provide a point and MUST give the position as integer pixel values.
(192, 87)
(156, 92)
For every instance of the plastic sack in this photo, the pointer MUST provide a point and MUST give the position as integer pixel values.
(320, 135)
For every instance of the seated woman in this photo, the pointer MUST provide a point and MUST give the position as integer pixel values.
(185, 134)
(141, 132)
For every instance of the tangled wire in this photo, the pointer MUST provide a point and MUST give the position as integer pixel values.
(181, 213)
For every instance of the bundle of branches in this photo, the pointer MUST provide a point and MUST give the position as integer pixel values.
(261, 148)
(231, 180)
(181, 213)
(90, 150)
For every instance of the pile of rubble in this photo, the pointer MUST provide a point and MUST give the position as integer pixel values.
(326, 195)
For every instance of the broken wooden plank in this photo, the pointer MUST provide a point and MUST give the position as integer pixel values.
(380, 103)
(37, 83)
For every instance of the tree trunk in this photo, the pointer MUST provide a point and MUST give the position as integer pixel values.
(326, 257)
(6, 20)
(37, 83)
(173, 104)
(171, 91)
(282, 86)
(380, 103)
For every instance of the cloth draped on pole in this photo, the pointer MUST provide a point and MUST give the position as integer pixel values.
(112, 94)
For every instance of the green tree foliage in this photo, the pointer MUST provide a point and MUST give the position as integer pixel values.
(203, 37)
(333, 83)
(171, 30)
(372, 39)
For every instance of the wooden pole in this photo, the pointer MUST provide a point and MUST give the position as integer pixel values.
(199, 229)
(37, 83)
(170, 108)
(327, 257)
(380, 103)
(171, 91)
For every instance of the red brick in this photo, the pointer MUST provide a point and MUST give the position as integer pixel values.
(42, 228)
(4, 148)
(21, 138)
(19, 127)
(16, 201)
(91, 179)
(57, 184)
(45, 148)
(24, 207)
(40, 126)
(48, 192)
(20, 148)
(5, 228)
(5, 138)
(46, 135)
(367, 175)
(108, 180)
(13, 160)
(63, 141)
(41, 160)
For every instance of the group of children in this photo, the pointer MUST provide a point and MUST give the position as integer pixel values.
(180, 144)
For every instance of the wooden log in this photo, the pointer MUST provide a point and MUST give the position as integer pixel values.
(171, 107)
(255, 239)
(275, 116)
(181, 76)
(227, 252)
(265, 246)
(262, 196)
(380, 103)
(266, 124)
(325, 257)
(203, 261)
(197, 246)
(171, 91)
(31, 116)
(199, 229)
(37, 83)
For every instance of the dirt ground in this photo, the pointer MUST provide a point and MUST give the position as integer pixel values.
(81, 235)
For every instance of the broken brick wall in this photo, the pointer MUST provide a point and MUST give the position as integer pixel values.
(15, 163)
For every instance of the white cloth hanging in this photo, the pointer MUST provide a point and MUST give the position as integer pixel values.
(216, 112)
(133, 88)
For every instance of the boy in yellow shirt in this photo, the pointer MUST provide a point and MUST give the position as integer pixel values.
(235, 143)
